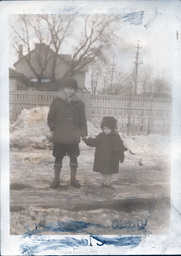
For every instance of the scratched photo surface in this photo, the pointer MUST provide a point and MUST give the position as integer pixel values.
(122, 68)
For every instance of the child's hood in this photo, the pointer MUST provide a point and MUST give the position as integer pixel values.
(62, 96)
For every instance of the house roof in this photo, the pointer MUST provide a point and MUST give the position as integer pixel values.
(65, 57)
(15, 73)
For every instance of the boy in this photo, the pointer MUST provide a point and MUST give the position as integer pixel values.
(67, 121)
(109, 150)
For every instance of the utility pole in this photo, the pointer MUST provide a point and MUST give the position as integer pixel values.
(112, 74)
(133, 91)
(136, 70)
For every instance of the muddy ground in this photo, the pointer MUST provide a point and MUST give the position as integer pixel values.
(138, 204)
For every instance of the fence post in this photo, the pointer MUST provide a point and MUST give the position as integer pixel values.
(87, 102)
(129, 116)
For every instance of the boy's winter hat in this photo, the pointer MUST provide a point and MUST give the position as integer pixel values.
(109, 121)
(70, 83)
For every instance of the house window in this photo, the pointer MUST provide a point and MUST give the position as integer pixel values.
(43, 80)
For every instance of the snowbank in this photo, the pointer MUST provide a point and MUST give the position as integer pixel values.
(30, 130)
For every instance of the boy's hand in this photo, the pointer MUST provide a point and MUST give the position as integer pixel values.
(50, 135)
(84, 138)
(121, 160)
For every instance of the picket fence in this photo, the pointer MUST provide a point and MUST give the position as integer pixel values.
(135, 115)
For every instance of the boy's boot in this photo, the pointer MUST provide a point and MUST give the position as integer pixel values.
(56, 181)
(73, 181)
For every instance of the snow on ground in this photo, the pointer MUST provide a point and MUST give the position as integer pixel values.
(143, 175)
(33, 202)
(30, 129)
(151, 144)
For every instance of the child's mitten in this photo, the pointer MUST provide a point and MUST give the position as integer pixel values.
(121, 158)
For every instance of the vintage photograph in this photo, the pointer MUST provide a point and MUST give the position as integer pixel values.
(90, 103)
(90, 127)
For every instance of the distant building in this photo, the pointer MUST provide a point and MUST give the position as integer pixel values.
(18, 81)
(39, 56)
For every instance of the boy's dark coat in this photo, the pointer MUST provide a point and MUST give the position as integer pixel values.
(67, 119)
(109, 151)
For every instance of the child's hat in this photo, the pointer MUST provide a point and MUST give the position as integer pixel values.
(109, 121)
(70, 83)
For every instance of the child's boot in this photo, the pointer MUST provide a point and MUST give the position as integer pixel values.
(56, 181)
(73, 181)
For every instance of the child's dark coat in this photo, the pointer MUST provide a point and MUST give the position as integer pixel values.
(67, 120)
(109, 151)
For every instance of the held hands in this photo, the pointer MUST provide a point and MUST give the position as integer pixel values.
(84, 138)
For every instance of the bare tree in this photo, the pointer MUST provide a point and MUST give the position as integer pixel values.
(98, 72)
(59, 26)
(153, 86)
(95, 73)
(161, 87)
(146, 79)
(95, 36)
(42, 29)
(123, 85)
(116, 82)
(25, 31)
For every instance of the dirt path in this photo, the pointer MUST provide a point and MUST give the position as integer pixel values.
(141, 192)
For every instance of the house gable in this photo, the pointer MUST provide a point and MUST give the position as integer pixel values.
(41, 59)
(17, 81)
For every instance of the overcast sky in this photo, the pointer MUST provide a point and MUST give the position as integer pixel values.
(154, 23)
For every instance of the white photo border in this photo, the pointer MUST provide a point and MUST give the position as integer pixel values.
(19, 245)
